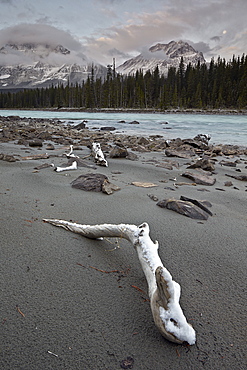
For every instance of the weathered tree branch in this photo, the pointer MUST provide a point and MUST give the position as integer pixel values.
(164, 292)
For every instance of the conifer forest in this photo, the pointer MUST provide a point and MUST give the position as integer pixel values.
(216, 85)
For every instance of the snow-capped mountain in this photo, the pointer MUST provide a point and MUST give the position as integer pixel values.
(164, 56)
(32, 65)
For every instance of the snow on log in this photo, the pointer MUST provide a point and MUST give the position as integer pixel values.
(98, 155)
(164, 292)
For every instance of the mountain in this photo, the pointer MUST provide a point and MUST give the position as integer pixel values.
(164, 56)
(31, 65)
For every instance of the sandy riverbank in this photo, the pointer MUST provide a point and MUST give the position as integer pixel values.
(91, 319)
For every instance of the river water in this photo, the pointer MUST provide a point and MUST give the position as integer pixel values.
(223, 129)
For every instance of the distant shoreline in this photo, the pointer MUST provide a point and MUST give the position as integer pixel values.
(140, 111)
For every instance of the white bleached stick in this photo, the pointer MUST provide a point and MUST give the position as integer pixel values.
(98, 155)
(164, 293)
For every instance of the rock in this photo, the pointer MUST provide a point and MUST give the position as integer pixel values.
(143, 141)
(196, 144)
(108, 128)
(228, 183)
(199, 178)
(228, 164)
(108, 187)
(203, 138)
(238, 177)
(153, 197)
(50, 147)
(35, 143)
(132, 156)
(184, 208)
(178, 153)
(8, 157)
(134, 123)
(80, 126)
(205, 164)
(203, 204)
(89, 182)
(44, 135)
(118, 152)
(230, 150)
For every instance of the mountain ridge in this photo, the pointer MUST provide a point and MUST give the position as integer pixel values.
(164, 56)
(43, 65)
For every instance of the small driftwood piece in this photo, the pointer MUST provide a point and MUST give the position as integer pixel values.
(164, 292)
(98, 155)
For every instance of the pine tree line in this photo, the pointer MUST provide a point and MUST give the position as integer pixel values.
(220, 85)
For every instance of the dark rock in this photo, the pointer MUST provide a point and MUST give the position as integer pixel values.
(228, 164)
(35, 143)
(228, 183)
(184, 208)
(44, 135)
(195, 143)
(108, 128)
(153, 197)
(89, 182)
(134, 123)
(118, 152)
(229, 150)
(8, 157)
(178, 153)
(203, 204)
(238, 177)
(205, 164)
(143, 141)
(132, 156)
(199, 178)
(50, 147)
(80, 126)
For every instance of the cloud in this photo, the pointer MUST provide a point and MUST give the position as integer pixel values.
(211, 27)
(42, 36)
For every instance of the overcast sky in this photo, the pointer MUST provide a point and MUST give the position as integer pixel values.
(123, 28)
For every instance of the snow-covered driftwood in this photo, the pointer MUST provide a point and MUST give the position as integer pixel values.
(73, 166)
(98, 155)
(71, 154)
(164, 292)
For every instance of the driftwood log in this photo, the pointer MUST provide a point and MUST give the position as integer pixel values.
(164, 292)
(98, 155)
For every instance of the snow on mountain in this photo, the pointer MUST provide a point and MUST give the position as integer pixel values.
(30, 65)
(164, 56)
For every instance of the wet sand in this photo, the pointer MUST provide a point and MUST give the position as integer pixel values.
(59, 312)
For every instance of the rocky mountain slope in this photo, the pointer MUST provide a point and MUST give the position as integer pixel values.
(30, 65)
(163, 56)
(43, 65)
